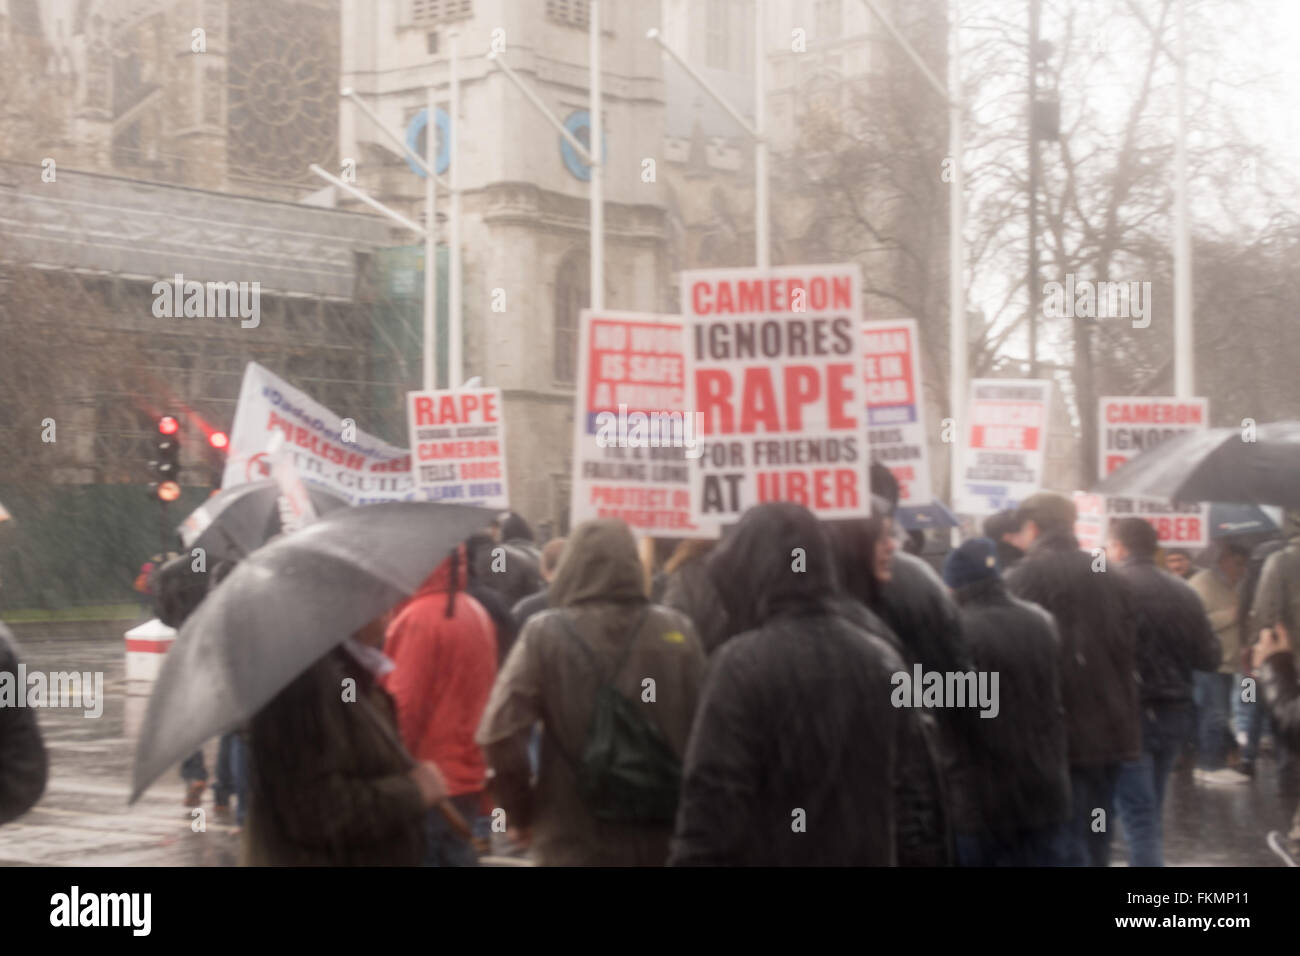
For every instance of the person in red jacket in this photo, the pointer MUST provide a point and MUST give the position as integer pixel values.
(444, 650)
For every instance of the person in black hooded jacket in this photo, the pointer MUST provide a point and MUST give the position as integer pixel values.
(797, 756)
(1098, 679)
(1011, 786)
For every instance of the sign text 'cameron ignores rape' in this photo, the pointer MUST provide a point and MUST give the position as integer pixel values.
(775, 370)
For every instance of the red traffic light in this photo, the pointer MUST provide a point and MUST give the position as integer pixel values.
(168, 491)
(168, 425)
(219, 440)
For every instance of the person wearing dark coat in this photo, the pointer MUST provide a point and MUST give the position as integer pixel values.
(478, 562)
(1273, 656)
(1174, 639)
(901, 598)
(509, 566)
(1098, 679)
(24, 766)
(331, 782)
(689, 589)
(539, 601)
(797, 756)
(1011, 787)
(1004, 529)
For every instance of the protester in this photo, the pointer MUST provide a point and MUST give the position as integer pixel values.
(1098, 685)
(509, 562)
(1218, 687)
(483, 590)
(601, 634)
(24, 765)
(1011, 787)
(1274, 657)
(1003, 529)
(177, 590)
(1278, 596)
(331, 782)
(1248, 629)
(527, 607)
(689, 588)
(1174, 639)
(1179, 561)
(443, 648)
(797, 756)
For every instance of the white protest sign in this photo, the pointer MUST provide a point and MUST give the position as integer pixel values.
(1004, 443)
(896, 407)
(458, 441)
(1130, 425)
(633, 441)
(774, 366)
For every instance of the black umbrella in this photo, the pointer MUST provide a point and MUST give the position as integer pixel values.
(237, 521)
(1217, 464)
(282, 609)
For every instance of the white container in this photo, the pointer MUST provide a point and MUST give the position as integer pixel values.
(145, 647)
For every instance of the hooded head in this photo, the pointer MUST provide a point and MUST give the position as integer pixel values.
(777, 558)
(854, 544)
(600, 563)
(512, 527)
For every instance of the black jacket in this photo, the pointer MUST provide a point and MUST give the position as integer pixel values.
(1098, 635)
(526, 607)
(797, 756)
(1174, 636)
(1014, 774)
(23, 762)
(689, 589)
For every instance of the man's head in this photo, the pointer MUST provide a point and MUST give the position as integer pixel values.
(1232, 562)
(1131, 538)
(1005, 526)
(1178, 561)
(510, 526)
(551, 555)
(1043, 514)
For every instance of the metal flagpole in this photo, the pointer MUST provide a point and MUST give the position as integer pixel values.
(762, 242)
(956, 257)
(597, 164)
(430, 244)
(1184, 365)
(455, 368)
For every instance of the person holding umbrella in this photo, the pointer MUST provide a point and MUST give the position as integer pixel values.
(331, 783)
(288, 644)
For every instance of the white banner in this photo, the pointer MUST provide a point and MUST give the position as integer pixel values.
(896, 407)
(1004, 444)
(458, 438)
(774, 366)
(633, 439)
(344, 460)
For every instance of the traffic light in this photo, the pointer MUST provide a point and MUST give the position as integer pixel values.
(218, 446)
(166, 465)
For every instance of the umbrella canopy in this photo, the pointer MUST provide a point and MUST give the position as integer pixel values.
(1216, 465)
(283, 608)
(1228, 519)
(922, 517)
(239, 520)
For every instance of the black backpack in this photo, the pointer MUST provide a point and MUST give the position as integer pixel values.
(628, 772)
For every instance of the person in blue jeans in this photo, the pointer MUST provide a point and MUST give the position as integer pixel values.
(1140, 790)
(1174, 640)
